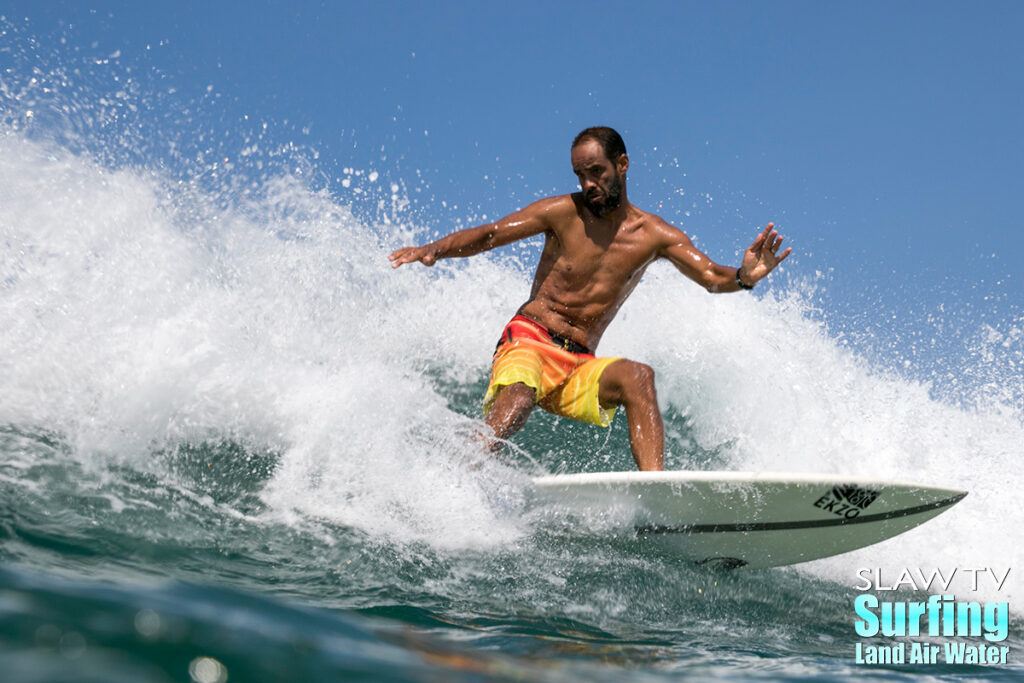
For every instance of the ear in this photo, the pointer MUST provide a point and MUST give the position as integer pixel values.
(622, 164)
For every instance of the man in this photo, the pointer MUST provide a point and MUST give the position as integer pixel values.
(597, 245)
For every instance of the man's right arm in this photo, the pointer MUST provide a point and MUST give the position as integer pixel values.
(532, 220)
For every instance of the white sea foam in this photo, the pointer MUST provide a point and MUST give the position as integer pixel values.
(138, 311)
(138, 315)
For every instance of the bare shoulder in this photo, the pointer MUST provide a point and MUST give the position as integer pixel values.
(553, 212)
(663, 233)
(558, 208)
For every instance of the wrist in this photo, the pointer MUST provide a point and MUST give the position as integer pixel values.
(739, 280)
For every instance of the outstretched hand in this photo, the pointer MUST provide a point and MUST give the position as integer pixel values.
(762, 256)
(410, 254)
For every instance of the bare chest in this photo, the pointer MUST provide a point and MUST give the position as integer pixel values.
(593, 256)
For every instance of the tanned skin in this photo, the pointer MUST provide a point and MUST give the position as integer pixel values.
(597, 246)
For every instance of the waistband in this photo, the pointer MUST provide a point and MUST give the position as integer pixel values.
(560, 340)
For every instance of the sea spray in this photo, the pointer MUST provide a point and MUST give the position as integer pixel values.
(133, 325)
(211, 374)
(134, 329)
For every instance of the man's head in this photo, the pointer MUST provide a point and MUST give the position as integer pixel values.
(600, 163)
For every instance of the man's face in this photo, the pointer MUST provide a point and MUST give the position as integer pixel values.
(600, 179)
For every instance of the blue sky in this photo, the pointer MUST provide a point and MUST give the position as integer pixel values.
(884, 138)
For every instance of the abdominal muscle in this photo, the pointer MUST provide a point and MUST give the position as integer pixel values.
(581, 313)
(584, 276)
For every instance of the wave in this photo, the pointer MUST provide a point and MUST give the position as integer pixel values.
(168, 300)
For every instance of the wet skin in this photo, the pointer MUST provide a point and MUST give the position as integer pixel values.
(597, 246)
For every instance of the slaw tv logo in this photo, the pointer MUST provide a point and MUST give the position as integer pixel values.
(846, 501)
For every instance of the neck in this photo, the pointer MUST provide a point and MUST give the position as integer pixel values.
(620, 212)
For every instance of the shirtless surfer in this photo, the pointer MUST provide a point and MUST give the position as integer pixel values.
(596, 247)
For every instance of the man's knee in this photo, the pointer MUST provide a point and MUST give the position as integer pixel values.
(637, 377)
(627, 380)
(521, 392)
(643, 376)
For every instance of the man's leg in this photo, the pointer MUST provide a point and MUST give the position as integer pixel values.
(512, 406)
(631, 385)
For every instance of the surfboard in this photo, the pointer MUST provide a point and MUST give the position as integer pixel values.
(748, 520)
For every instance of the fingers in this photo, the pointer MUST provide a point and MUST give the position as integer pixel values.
(765, 250)
(410, 255)
(772, 245)
(771, 241)
(404, 255)
(762, 237)
(399, 256)
(398, 253)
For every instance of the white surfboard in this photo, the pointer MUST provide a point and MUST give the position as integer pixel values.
(745, 519)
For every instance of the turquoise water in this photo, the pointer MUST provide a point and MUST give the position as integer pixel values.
(129, 573)
(235, 445)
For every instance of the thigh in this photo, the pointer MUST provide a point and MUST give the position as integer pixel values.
(513, 399)
(578, 397)
(515, 364)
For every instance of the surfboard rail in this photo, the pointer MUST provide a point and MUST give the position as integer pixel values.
(748, 519)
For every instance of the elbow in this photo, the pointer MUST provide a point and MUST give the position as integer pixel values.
(715, 283)
(475, 242)
(489, 239)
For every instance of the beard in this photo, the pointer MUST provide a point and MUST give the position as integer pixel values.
(611, 201)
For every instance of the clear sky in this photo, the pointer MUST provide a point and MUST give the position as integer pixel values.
(884, 138)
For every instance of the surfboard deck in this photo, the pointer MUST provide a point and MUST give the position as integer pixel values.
(746, 519)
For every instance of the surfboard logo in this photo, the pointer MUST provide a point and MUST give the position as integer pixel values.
(846, 501)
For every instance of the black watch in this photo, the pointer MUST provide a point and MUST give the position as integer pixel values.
(740, 283)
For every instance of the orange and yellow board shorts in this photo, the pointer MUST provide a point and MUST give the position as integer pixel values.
(565, 382)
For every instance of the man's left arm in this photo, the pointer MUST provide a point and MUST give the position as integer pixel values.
(759, 259)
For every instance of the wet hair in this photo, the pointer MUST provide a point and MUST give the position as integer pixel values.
(610, 141)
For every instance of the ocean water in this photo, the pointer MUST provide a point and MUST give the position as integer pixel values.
(235, 445)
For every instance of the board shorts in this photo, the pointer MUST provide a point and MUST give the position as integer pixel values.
(563, 374)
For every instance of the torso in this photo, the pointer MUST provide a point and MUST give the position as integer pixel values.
(588, 268)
